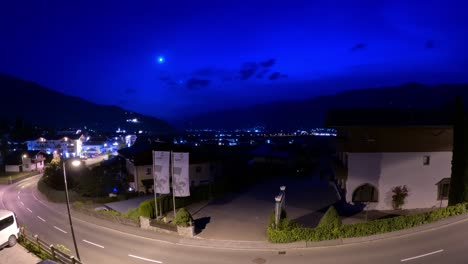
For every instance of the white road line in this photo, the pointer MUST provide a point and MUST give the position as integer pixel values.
(42, 219)
(22, 203)
(35, 197)
(94, 244)
(150, 260)
(18, 198)
(29, 210)
(424, 255)
(63, 231)
(19, 192)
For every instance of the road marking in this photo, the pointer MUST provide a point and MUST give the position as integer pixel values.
(94, 244)
(424, 255)
(18, 198)
(35, 197)
(19, 192)
(22, 186)
(22, 203)
(42, 219)
(150, 260)
(63, 231)
(29, 210)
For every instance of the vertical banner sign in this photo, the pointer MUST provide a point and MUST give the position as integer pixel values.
(161, 171)
(180, 175)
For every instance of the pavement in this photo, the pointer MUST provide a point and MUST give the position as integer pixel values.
(244, 216)
(17, 254)
(101, 241)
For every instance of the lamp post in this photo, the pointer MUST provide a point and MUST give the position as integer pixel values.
(75, 163)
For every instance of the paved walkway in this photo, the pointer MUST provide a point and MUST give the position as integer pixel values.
(16, 255)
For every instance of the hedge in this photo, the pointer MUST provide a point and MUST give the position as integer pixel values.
(197, 194)
(291, 232)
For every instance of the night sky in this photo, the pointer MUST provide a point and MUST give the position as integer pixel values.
(173, 59)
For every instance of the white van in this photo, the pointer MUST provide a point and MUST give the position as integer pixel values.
(9, 229)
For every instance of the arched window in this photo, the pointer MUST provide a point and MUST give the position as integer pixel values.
(365, 193)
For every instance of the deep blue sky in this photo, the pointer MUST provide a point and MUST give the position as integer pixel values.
(224, 54)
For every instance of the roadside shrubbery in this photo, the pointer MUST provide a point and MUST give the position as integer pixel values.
(291, 232)
(198, 194)
(183, 218)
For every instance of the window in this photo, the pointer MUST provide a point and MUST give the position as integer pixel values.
(148, 171)
(443, 188)
(4, 223)
(365, 193)
(426, 160)
(198, 169)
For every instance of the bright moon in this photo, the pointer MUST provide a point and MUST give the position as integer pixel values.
(161, 59)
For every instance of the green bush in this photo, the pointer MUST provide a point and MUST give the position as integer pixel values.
(289, 231)
(330, 220)
(183, 218)
(146, 208)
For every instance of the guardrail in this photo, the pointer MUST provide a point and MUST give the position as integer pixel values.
(41, 247)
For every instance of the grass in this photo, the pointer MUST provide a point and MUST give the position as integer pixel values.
(5, 177)
(56, 196)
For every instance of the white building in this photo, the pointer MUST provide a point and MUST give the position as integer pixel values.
(66, 146)
(202, 170)
(409, 151)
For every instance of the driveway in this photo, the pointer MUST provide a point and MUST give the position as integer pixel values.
(244, 216)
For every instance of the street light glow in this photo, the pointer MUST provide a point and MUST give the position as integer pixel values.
(76, 163)
(25, 156)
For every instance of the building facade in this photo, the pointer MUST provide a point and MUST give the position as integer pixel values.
(65, 146)
(374, 159)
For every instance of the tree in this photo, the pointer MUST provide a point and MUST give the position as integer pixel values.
(331, 219)
(53, 175)
(458, 181)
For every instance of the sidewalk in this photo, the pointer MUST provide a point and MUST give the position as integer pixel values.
(17, 254)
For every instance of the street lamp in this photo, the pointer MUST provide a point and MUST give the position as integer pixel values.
(75, 163)
(22, 161)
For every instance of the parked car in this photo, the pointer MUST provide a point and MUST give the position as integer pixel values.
(9, 228)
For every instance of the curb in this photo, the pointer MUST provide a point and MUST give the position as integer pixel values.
(265, 245)
(260, 245)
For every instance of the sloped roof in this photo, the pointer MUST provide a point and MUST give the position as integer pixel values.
(388, 117)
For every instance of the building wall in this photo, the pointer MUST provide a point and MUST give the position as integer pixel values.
(363, 168)
(12, 168)
(205, 174)
(387, 170)
(406, 168)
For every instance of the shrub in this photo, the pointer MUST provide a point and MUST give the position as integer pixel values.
(330, 219)
(146, 208)
(399, 195)
(289, 231)
(183, 218)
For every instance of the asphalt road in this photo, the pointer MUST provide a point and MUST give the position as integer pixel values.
(102, 245)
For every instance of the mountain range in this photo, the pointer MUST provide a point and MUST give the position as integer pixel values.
(44, 107)
(311, 113)
(47, 108)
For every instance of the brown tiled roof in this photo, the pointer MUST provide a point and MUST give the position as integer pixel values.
(395, 139)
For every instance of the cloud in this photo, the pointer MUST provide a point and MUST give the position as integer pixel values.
(248, 69)
(274, 76)
(268, 63)
(130, 91)
(164, 78)
(205, 72)
(262, 73)
(359, 46)
(195, 83)
(429, 44)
